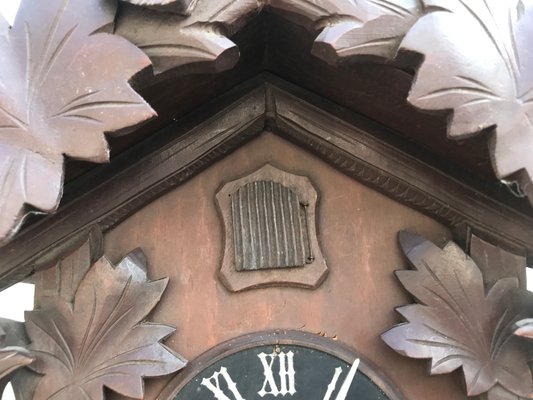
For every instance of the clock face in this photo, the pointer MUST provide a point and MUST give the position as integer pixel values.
(290, 371)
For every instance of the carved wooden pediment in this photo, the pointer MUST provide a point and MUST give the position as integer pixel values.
(193, 36)
(351, 147)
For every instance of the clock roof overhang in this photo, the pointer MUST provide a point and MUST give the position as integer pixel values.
(274, 48)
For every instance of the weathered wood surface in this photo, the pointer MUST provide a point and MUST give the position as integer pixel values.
(196, 143)
(458, 323)
(89, 330)
(311, 269)
(62, 86)
(194, 37)
(181, 234)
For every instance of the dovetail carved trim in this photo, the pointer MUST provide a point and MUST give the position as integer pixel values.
(270, 231)
(459, 322)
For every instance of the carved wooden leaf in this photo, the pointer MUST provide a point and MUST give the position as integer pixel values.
(457, 324)
(11, 359)
(499, 393)
(354, 28)
(478, 63)
(14, 356)
(172, 41)
(309, 12)
(182, 7)
(99, 340)
(61, 87)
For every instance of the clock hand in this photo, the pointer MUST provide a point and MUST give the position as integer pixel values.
(333, 384)
(343, 392)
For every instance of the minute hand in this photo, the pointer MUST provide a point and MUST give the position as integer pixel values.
(343, 392)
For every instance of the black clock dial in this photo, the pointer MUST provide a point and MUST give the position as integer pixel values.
(294, 370)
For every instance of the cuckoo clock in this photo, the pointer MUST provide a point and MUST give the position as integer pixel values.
(295, 199)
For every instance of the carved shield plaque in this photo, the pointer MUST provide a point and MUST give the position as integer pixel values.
(270, 231)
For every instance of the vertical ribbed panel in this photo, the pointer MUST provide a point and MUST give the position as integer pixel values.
(269, 227)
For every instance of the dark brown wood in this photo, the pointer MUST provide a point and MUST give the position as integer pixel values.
(199, 40)
(278, 337)
(59, 94)
(64, 76)
(182, 235)
(497, 92)
(369, 160)
(456, 324)
(13, 352)
(312, 270)
(181, 7)
(496, 263)
(92, 333)
(172, 41)
(269, 227)
(351, 147)
(180, 161)
(363, 29)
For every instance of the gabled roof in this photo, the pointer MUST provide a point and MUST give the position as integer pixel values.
(104, 197)
(64, 83)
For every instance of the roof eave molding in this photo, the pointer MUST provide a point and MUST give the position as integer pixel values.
(199, 142)
(477, 62)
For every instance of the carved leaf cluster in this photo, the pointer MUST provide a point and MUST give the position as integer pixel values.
(456, 323)
(201, 39)
(99, 340)
(354, 28)
(478, 64)
(452, 35)
(62, 87)
(365, 27)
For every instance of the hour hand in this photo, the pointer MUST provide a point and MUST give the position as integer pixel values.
(343, 392)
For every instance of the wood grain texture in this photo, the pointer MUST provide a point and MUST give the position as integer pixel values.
(497, 92)
(378, 29)
(197, 144)
(93, 332)
(494, 94)
(263, 212)
(200, 39)
(311, 271)
(458, 324)
(355, 303)
(59, 94)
